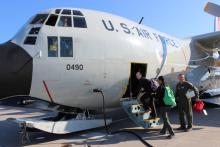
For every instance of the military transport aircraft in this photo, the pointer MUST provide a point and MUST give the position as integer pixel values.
(62, 55)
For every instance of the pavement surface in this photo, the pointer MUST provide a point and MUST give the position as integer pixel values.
(206, 132)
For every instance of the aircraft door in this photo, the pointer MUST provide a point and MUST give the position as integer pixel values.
(131, 90)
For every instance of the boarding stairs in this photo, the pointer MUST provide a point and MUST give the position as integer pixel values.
(137, 114)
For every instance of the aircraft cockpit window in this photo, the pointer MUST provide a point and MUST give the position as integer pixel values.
(39, 19)
(52, 20)
(30, 40)
(34, 30)
(66, 12)
(57, 11)
(52, 46)
(79, 22)
(66, 47)
(65, 21)
(76, 12)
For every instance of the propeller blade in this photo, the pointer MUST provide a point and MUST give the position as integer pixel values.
(212, 9)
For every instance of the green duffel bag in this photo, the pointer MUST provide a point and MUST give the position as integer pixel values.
(169, 98)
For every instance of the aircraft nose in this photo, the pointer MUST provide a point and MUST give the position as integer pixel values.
(15, 70)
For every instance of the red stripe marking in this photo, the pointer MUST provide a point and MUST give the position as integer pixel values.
(48, 92)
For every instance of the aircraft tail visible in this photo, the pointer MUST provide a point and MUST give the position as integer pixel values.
(214, 10)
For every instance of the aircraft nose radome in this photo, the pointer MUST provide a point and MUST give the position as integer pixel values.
(15, 70)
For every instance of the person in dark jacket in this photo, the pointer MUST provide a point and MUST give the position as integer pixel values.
(164, 109)
(185, 104)
(144, 86)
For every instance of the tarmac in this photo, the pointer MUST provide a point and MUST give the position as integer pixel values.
(205, 133)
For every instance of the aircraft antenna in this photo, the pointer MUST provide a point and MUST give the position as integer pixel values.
(142, 18)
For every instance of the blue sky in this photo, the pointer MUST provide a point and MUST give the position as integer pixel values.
(178, 18)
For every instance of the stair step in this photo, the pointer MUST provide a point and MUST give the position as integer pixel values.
(137, 105)
(136, 108)
(152, 120)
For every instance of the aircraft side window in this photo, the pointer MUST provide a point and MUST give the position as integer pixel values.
(66, 12)
(39, 19)
(57, 11)
(34, 30)
(65, 21)
(52, 46)
(79, 22)
(30, 40)
(66, 47)
(52, 20)
(76, 12)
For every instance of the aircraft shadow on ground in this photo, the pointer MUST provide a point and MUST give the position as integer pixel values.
(87, 137)
(103, 140)
(80, 138)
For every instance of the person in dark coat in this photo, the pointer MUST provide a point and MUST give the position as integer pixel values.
(144, 86)
(164, 109)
